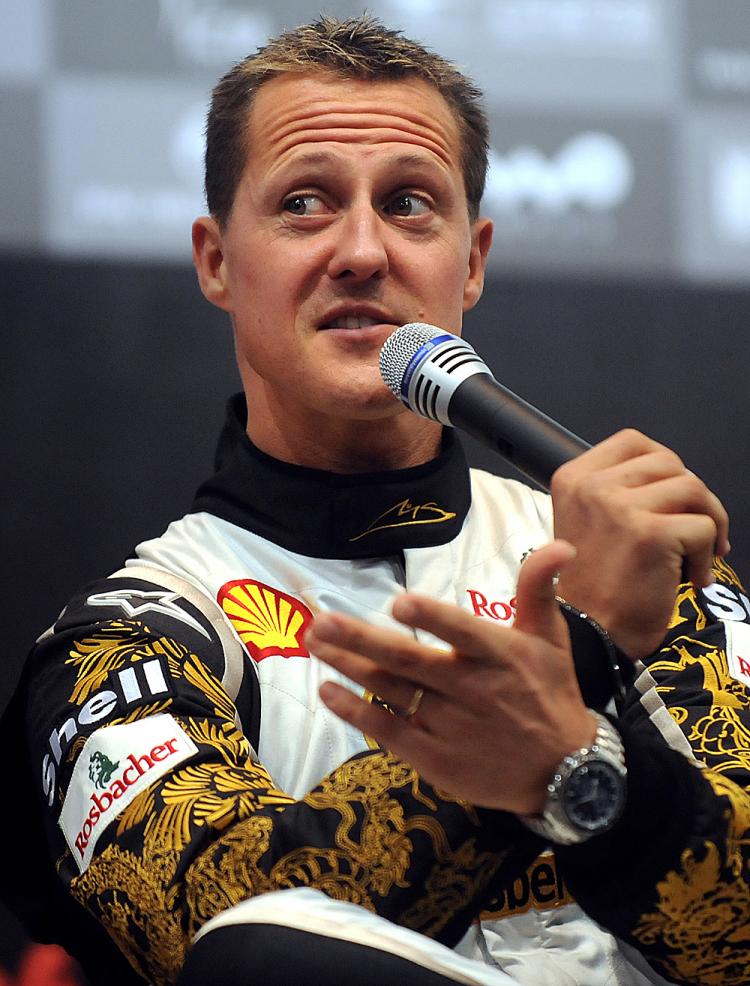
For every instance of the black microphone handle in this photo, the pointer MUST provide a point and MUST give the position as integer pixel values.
(532, 442)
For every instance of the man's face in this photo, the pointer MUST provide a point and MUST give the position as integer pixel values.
(350, 219)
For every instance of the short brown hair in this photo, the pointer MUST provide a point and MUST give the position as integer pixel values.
(361, 48)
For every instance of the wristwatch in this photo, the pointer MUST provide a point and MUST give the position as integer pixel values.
(586, 793)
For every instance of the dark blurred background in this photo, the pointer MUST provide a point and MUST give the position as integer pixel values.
(619, 293)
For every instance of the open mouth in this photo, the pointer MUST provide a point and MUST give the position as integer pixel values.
(352, 322)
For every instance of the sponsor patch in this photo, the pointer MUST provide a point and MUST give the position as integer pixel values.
(738, 651)
(541, 887)
(125, 687)
(139, 602)
(268, 620)
(500, 610)
(114, 766)
(726, 602)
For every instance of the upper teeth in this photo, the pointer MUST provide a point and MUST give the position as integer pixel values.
(352, 322)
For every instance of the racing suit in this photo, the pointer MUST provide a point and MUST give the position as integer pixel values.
(188, 775)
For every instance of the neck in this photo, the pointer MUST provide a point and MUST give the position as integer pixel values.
(399, 441)
(318, 513)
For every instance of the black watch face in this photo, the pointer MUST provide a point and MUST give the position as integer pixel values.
(593, 795)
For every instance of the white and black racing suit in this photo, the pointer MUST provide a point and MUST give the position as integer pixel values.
(187, 775)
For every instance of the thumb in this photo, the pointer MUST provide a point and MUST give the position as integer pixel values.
(537, 610)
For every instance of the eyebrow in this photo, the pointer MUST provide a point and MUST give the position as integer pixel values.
(314, 157)
(407, 159)
(411, 160)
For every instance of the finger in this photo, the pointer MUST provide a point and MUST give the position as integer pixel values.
(620, 447)
(721, 519)
(696, 534)
(640, 470)
(398, 692)
(681, 494)
(367, 716)
(688, 493)
(403, 737)
(356, 649)
(537, 610)
(658, 478)
(468, 636)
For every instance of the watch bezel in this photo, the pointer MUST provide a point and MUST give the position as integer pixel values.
(570, 806)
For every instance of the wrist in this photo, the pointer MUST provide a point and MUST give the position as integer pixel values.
(604, 671)
(582, 735)
(585, 794)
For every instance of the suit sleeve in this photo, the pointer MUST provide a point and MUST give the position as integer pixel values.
(673, 876)
(159, 816)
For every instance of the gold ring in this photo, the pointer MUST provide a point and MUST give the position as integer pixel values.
(415, 703)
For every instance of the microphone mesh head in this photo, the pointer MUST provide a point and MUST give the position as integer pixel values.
(399, 349)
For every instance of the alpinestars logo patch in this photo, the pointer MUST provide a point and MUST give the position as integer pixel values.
(140, 602)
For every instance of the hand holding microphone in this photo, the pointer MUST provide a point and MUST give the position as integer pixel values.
(640, 521)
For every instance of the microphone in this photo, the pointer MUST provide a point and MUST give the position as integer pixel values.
(440, 376)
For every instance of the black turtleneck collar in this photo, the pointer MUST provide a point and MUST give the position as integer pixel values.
(331, 515)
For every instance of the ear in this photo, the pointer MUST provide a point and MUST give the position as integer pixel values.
(208, 258)
(481, 241)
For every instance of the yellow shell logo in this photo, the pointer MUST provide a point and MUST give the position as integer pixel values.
(268, 620)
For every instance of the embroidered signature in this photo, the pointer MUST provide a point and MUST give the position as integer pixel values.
(405, 514)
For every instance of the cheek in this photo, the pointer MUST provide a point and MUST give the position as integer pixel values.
(450, 271)
(275, 290)
(261, 297)
(452, 257)
(253, 263)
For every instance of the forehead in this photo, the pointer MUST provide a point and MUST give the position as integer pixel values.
(295, 113)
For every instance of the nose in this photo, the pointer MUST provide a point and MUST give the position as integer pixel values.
(359, 251)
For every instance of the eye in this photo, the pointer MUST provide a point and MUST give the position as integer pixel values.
(304, 204)
(407, 204)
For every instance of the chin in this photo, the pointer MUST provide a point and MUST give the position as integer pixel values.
(361, 394)
(378, 408)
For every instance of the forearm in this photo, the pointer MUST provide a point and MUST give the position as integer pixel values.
(671, 877)
(214, 829)
(678, 880)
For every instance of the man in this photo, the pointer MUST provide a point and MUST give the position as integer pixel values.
(196, 788)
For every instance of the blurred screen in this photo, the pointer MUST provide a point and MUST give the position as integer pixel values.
(621, 128)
